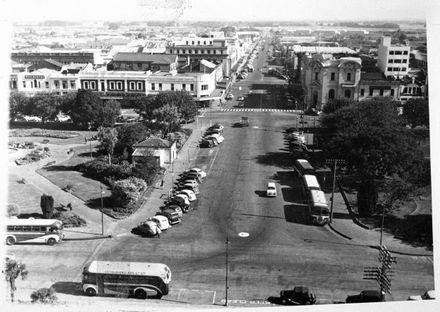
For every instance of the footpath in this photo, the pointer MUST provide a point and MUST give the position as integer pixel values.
(344, 226)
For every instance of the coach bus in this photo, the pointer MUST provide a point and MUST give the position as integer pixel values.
(140, 279)
(310, 183)
(319, 211)
(303, 167)
(49, 231)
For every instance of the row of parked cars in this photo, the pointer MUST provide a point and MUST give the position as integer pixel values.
(212, 136)
(184, 193)
(296, 141)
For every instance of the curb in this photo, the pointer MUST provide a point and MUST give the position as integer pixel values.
(402, 253)
(338, 232)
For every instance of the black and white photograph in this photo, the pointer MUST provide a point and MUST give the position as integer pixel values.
(181, 155)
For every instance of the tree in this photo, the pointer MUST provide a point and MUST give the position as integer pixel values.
(128, 135)
(334, 105)
(13, 210)
(13, 270)
(46, 106)
(416, 112)
(46, 204)
(108, 113)
(167, 117)
(186, 105)
(18, 103)
(374, 142)
(107, 138)
(85, 110)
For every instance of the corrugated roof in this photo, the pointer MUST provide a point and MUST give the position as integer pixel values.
(155, 142)
(53, 62)
(143, 57)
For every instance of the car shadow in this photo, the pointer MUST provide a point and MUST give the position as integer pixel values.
(297, 213)
(261, 193)
(293, 194)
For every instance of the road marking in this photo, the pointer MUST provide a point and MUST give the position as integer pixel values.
(210, 167)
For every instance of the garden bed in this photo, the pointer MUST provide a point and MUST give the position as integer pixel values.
(43, 133)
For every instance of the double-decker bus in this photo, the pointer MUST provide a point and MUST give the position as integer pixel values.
(319, 211)
(140, 279)
(49, 231)
(303, 167)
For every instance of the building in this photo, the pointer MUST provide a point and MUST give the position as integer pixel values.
(373, 85)
(325, 78)
(41, 59)
(161, 150)
(393, 60)
(127, 61)
(412, 89)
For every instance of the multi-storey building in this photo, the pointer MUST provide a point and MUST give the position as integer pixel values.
(393, 60)
(325, 78)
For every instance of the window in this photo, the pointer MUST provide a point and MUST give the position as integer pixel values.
(119, 85)
(57, 84)
(132, 85)
(72, 84)
(332, 76)
(198, 42)
(183, 86)
(172, 87)
(396, 68)
(347, 94)
(397, 61)
(64, 84)
(139, 65)
(331, 94)
(32, 84)
(193, 42)
(102, 86)
(24, 84)
(316, 75)
(371, 92)
(405, 52)
(398, 53)
(381, 92)
(153, 86)
(204, 87)
(391, 52)
(404, 61)
(112, 85)
(86, 84)
(390, 61)
(35, 83)
(362, 92)
(403, 68)
(92, 85)
(139, 86)
(392, 92)
(191, 87)
(389, 69)
(348, 76)
(160, 87)
(204, 42)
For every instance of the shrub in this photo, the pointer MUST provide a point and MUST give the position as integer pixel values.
(44, 295)
(46, 204)
(99, 169)
(13, 210)
(128, 190)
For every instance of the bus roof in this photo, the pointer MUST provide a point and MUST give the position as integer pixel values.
(304, 163)
(127, 268)
(318, 197)
(311, 181)
(36, 222)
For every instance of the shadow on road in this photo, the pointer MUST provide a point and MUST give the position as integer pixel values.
(293, 194)
(261, 193)
(58, 168)
(254, 215)
(69, 288)
(297, 213)
(340, 215)
(286, 178)
(283, 160)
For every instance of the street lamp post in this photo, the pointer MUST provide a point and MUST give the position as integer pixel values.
(102, 207)
(227, 271)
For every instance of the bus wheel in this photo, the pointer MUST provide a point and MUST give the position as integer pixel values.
(140, 293)
(91, 292)
(10, 240)
(51, 241)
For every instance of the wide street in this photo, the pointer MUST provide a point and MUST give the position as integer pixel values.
(280, 252)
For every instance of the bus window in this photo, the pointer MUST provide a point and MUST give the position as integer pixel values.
(10, 228)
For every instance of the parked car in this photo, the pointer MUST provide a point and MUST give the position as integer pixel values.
(161, 221)
(176, 208)
(241, 98)
(300, 295)
(181, 202)
(428, 295)
(206, 143)
(217, 137)
(188, 186)
(191, 195)
(172, 215)
(217, 125)
(199, 171)
(366, 296)
(230, 96)
(188, 181)
(271, 190)
(190, 176)
(149, 228)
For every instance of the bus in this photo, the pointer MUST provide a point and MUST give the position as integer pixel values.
(140, 279)
(303, 167)
(310, 182)
(49, 231)
(319, 211)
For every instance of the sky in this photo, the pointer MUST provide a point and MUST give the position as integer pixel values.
(242, 10)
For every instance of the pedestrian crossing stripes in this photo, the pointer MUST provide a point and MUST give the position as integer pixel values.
(267, 110)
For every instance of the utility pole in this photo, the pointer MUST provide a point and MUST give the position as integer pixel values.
(382, 274)
(90, 149)
(381, 227)
(227, 271)
(102, 207)
(333, 162)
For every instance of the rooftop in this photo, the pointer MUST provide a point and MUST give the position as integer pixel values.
(155, 142)
(144, 57)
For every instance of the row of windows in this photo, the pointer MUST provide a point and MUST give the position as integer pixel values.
(396, 69)
(412, 90)
(196, 51)
(397, 61)
(381, 92)
(198, 42)
(37, 84)
(347, 93)
(333, 76)
(392, 52)
(172, 87)
(26, 228)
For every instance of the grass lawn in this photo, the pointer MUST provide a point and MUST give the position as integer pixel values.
(28, 204)
(39, 139)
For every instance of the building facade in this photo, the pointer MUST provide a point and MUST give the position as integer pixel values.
(393, 60)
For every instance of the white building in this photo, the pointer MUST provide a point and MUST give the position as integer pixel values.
(393, 60)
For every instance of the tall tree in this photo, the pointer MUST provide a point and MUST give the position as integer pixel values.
(374, 142)
(12, 271)
(416, 112)
(85, 110)
(167, 117)
(108, 113)
(18, 105)
(107, 138)
(45, 105)
(128, 135)
(46, 204)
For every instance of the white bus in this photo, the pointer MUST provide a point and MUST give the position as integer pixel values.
(140, 279)
(319, 210)
(310, 183)
(302, 167)
(49, 231)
